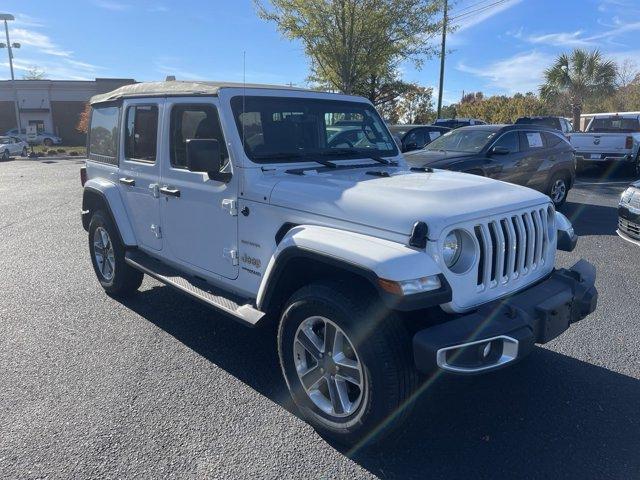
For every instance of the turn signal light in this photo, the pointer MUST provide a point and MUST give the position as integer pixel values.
(83, 175)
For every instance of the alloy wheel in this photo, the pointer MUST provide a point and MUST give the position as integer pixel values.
(103, 253)
(328, 367)
(558, 191)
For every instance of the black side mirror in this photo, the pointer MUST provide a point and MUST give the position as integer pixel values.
(410, 146)
(204, 155)
(499, 150)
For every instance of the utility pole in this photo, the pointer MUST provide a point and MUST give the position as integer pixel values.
(442, 54)
(5, 17)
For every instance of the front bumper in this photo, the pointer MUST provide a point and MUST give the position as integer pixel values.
(504, 331)
(629, 223)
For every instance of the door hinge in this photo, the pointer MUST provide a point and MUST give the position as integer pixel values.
(231, 205)
(231, 255)
(156, 230)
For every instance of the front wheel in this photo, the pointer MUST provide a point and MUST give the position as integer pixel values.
(25, 152)
(558, 189)
(107, 257)
(5, 155)
(48, 142)
(347, 362)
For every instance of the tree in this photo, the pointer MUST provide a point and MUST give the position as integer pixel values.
(579, 77)
(352, 42)
(34, 73)
(83, 119)
(416, 105)
(498, 108)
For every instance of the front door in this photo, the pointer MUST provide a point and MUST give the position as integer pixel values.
(140, 169)
(509, 167)
(535, 152)
(199, 216)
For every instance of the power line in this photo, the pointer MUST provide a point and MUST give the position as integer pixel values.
(480, 9)
(471, 5)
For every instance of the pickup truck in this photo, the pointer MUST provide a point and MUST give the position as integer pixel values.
(374, 276)
(610, 138)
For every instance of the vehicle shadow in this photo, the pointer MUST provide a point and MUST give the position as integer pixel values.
(589, 219)
(551, 416)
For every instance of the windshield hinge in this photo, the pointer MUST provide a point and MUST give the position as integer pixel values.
(231, 206)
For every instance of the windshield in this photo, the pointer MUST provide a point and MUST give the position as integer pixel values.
(614, 124)
(4, 141)
(452, 123)
(466, 141)
(283, 129)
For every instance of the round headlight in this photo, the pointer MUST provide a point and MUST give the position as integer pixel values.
(451, 249)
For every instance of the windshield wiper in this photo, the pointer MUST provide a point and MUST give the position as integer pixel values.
(296, 156)
(357, 152)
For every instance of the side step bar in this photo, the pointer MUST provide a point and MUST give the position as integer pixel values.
(239, 308)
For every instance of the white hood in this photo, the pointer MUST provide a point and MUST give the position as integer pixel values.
(395, 203)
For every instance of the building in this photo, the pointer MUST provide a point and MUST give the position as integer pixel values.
(52, 105)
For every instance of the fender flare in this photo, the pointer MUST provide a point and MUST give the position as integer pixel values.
(111, 198)
(369, 257)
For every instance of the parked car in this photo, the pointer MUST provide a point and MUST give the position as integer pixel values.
(629, 214)
(458, 122)
(536, 157)
(610, 138)
(43, 138)
(559, 123)
(10, 146)
(372, 274)
(415, 137)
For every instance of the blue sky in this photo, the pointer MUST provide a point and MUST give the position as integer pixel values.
(500, 49)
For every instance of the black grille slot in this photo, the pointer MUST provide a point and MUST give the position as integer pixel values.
(478, 231)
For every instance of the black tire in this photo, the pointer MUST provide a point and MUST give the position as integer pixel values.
(25, 152)
(125, 279)
(383, 347)
(47, 142)
(556, 180)
(5, 155)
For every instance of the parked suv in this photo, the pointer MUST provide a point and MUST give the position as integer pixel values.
(373, 274)
(536, 157)
(415, 137)
(559, 123)
(458, 122)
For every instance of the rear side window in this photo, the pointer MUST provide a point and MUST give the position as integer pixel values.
(552, 140)
(193, 121)
(531, 140)
(103, 134)
(416, 137)
(141, 134)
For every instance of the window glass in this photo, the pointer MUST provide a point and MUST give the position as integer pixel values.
(614, 124)
(294, 129)
(193, 121)
(417, 137)
(141, 133)
(509, 140)
(466, 140)
(551, 139)
(103, 136)
(532, 140)
(5, 141)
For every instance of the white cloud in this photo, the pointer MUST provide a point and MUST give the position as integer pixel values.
(39, 41)
(579, 39)
(112, 5)
(472, 17)
(563, 39)
(521, 73)
(158, 9)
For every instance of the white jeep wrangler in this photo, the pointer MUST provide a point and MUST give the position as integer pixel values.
(270, 203)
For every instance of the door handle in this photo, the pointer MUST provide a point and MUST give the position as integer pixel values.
(130, 182)
(172, 192)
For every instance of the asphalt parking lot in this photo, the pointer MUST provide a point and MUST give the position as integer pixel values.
(160, 386)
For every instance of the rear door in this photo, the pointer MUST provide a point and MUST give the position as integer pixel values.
(140, 169)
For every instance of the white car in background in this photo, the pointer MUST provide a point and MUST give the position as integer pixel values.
(43, 138)
(12, 146)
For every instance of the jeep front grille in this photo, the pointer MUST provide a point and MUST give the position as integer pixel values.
(630, 228)
(511, 247)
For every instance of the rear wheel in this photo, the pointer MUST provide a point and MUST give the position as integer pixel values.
(5, 155)
(25, 152)
(107, 257)
(47, 142)
(559, 189)
(347, 362)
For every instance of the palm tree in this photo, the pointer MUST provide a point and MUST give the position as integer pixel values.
(579, 77)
